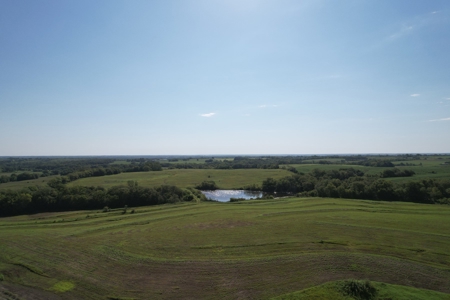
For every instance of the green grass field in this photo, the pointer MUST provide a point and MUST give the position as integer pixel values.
(225, 179)
(430, 169)
(255, 249)
(18, 185)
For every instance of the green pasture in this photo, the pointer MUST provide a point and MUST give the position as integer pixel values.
(18, 185)
(255, 249)
(430, 169)
(225, 179)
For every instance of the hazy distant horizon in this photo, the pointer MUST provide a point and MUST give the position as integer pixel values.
(217, 155)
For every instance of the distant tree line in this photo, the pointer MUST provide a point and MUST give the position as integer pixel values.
(58, 197)
(274, 162)
(236, 163)
(71, 168)
(95, 166)
(52, 165)
(394, 172)
(207, 185)
(350, 183)
(142, 167)
(18, 177)
(382, 163)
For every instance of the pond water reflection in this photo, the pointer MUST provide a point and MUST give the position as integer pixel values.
(225, 195)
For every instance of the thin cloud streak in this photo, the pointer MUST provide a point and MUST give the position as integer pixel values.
(415, 95)
(440, 120)
(413, 25)
(402, 32)
(208, 115)
(266, 106)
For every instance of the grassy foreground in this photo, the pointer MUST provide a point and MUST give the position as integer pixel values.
(336, 291)
(247, 250)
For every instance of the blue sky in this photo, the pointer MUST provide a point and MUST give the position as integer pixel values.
(224, 77)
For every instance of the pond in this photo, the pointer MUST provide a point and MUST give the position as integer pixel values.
(225, 195)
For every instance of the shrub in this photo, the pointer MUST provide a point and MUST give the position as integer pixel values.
(359, 289)
(207, 185)
(237, 199)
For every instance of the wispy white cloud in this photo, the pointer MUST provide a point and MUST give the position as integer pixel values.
(208, 115)
(447, 98)
(413, 25)
(405, 30)
(415, 95)
(440, 120)
(266, 105)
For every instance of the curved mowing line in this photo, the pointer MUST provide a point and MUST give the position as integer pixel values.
(382, 228)
(125, 255)
(100, 218)
(134, 223)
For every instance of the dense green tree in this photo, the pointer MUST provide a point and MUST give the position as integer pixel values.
(207, 185)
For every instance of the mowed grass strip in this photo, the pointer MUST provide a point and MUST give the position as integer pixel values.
(225, 179)
(253, 249)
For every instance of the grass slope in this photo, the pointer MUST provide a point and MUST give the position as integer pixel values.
(254, 249)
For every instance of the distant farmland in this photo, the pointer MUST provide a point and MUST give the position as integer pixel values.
(225, 179)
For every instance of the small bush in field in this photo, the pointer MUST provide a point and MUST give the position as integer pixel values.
(359, 289)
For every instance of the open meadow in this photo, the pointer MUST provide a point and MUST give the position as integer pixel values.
(18, 185)
(255, 249)
(225, 179)
(224, 149)
(431, 167)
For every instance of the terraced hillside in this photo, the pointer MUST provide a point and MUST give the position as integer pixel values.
(247, 250)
